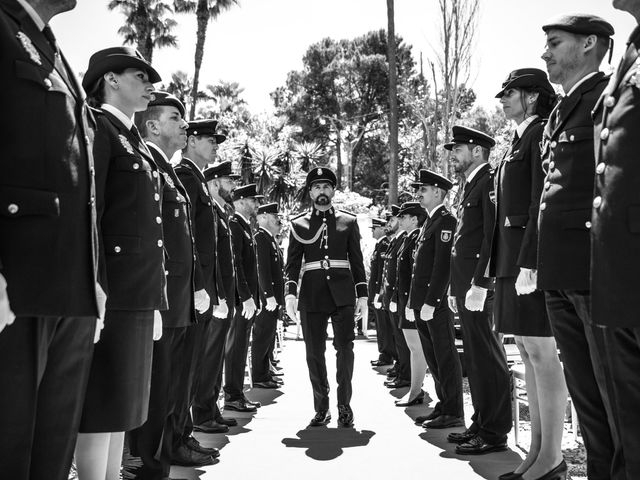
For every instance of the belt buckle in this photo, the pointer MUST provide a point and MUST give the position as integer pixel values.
(325, 264)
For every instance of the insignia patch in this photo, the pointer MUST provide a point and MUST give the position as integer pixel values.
(125, 143)
(492, 196)
(445, 236)
(319, 171)
(169, 181)
(29, 47)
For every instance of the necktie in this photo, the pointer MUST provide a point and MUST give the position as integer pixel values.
(516, 137)
(136, 133)
(51, 38)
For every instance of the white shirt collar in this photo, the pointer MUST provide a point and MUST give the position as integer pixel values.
(523, 126)
(118, 114)
(151, 144)
(580, 82)
(475, 171)
(431, 212)
(33, 14)
(221, 207)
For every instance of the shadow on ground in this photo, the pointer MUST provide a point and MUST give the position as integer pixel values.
(323, 443)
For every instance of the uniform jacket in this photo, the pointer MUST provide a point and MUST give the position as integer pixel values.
(376, 267)
(518, 184)
(178, 242)
(565, 205)
(390, 269)
(48, 233)
(432, 264)
(129, 189)
(320, 238)
(204, 224)
(615, 256)
(226, 263)
(245, 258)
(472, 240)
(404, 268)
(270, 266)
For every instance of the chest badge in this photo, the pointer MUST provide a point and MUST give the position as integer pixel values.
(29, 47)
(125, 143)
(445, 236)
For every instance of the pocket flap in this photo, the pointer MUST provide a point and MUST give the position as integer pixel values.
(121, 244)
(516, 220)
(19, 202)
(516, 156)
(35, 74)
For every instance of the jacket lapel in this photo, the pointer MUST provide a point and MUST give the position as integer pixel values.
(474, 181)
(140, 147)
(568, 104)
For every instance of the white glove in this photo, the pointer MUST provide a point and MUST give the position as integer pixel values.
(99, 327)
(393, 307)
(6, 315)
(248, 308)
(201, 300)
(526, 281)
(377, 304)
(426, 312)
(291, 307)
(453, 306)
(409, 314)
(222, 309)
(362, 309)
(475, 298)
(157, 325)
(271, 304)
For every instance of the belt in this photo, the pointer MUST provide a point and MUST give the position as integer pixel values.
(326, 264)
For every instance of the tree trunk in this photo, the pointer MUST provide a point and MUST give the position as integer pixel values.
(143, 31)
(339, 160)
(393, 105)
(202, 15)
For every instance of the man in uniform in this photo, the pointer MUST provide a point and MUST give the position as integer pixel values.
(334, 282)
(471, 295)
(384, 336)
(49, 295)
(427, 304)
(576, 45)
(245, 202)
(163, 128)
(270, 275)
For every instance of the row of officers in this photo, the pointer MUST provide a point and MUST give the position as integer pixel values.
(126, 284)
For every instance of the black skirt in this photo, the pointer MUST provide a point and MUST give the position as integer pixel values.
(524, 315)
(117, 398)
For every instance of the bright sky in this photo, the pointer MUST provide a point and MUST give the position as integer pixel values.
(257, 43)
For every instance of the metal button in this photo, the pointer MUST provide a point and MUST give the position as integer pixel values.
(604, 134)
(610, 101)
(166, 272)
(477, 255)
(160, 243)
(587, 224)
(326, 247)
(136, 166)
(552, 165)
(597, 202)
(328, 277)
(156, 197)
(543, 206)
(600, 168)
(86, 140)
(47, 83)
(547, 185)
(117, 249)
(158, 220)
(13, 209)
(554, 144)
(326, 256)
(468, 204)
(324, 219)
(572, 138)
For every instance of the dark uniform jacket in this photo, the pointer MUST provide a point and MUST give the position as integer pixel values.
(565, 205)
(245, 258)
(376, 267)
(204, 224)
(390, 269)
(48, 233)
(178, 242)
(615, 256)
(432, 263)
(518, 183)
(270, 266)
(319, 239)
(129, 189)
(472, 240)
(226, 263)
(404, 267)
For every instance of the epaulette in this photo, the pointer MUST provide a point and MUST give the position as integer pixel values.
(299, 215)
(344, 211)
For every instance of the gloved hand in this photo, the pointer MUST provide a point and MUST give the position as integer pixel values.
(6, 315)
(201, 300)
(222, 309)
(362, 309)
(291, 307)
(426, 312)
(409, 314)
(271, 304)
(453, 306)
(376, 302)
(99, 327)
(527, 281)
(475, 298)
(393, 307)
(157, 325)
(248, 308)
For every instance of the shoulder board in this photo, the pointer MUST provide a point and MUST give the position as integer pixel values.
(299, 215)
(344, 211)
(232, 218)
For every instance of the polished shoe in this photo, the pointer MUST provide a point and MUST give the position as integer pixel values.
(425, 418)
(461, 437)
(321, 419)
(194, 445)
(267, 384)
(391, 371)
(228, 421)
(379, 363)
(345, 416)
(252, 402)
(185, 457)
(478, 446)
(277, 374)
(276, 379)
(211, 426)
(415, 401)
(398, 384)
(239, 406)
(558, 473)
(444, 421)
(510, 476)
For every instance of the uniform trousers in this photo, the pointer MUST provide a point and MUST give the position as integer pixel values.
(384, 335)
(314, 329)
(437, 337)
(487, 371)
(403, 354)
(588, 380)
(152, 442)
(44, 369)
(264, 333)
(208, 366)
(235, 357)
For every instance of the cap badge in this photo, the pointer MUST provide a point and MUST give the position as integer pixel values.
(125, 143)
(445, 236)
(319, 171)
(29, 47)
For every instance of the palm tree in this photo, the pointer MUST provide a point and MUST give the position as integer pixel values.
(180, 86)
(205, 11)
(145, 25)
(266, 171)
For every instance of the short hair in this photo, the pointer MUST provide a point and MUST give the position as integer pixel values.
(141, 118)
(485, 151)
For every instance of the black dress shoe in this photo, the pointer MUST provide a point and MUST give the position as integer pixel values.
(228, 421)
(268, 384)
(425, 418)
(461, 437)
(211, 426)
(194, 445)
(345, 416)
(510, 476)
(186, 457)
(379, 363)
(277, 374)
(398, 384)
(558, 473)
(239, 406)
(251, 402)
(478, 446)
(321, 419)
(391, 371)
(444, 421)
(419, 399)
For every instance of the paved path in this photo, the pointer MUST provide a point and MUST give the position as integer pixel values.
(275, 443)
